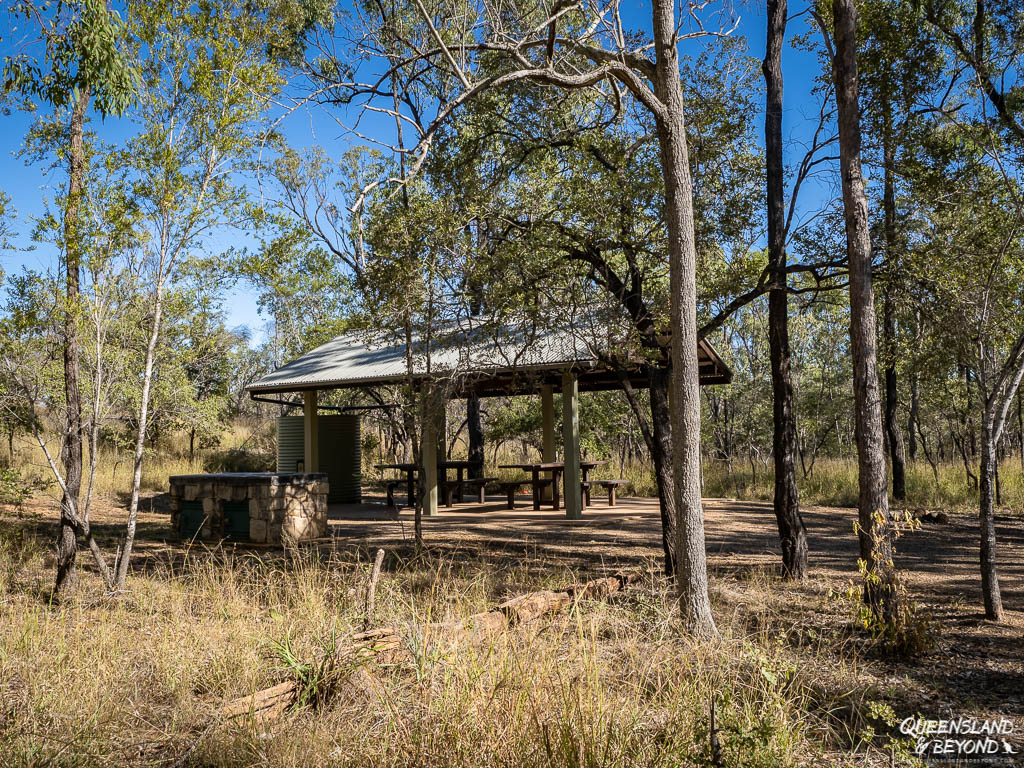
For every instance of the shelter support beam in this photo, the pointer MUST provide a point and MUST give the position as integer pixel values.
(571, 447)
(311, 432)
(547, 408)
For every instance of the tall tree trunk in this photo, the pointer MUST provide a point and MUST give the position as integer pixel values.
(875, 524)
(996, 397)
(659, 379)
(1020, 428)
(124, 559)
(691, 555)
(893, 438)
(792, 533)
(71, 452)
(989, 577)
(913, 418)
(410, 429)
(474, 425)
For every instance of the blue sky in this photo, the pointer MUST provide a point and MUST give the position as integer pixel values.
(29, 185)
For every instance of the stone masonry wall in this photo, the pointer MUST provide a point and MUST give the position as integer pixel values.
(282, 507)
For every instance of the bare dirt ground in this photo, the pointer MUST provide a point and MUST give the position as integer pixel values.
(975, 668)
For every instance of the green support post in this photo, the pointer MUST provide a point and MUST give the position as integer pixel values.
(571, 447)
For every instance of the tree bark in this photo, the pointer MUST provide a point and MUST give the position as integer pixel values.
(474, 425)
(913, 418)
(792, 533)
(71, 452)
(986, 518)
(875, 524)
(893, 438)
(996, 396)
(1020, 429)
(690, 553)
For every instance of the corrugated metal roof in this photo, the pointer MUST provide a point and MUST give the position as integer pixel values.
(358, 358)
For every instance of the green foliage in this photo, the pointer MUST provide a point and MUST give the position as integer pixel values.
(303, 287)
(317, 681)
(881, 716)
(908, 634)
(295, 19)
(16, 489)
(82, 45)
(6, 225)
(906, 631)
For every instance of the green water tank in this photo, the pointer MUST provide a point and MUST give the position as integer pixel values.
(340, 453)
(291, 446)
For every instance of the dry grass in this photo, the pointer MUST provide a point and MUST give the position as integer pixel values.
(137, 679)
(113, 479)
(833, 482)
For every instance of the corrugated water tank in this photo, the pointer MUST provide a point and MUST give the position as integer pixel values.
(340, 453)
(291, 449)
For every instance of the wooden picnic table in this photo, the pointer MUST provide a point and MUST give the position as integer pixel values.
(556, 468)
(460, 467)
(411, 469)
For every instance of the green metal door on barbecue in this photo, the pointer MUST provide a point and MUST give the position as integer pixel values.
(190, 519)
(236, 520)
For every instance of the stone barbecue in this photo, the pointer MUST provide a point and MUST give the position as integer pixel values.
(262, 507)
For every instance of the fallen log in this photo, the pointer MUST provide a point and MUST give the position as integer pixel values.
(281, 695)
(271, 703)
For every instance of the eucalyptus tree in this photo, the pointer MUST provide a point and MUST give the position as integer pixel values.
(467, 50)
(971, 273)
(786, 501)
(900, 68)
(32, 331)
(71, 57)
(604, 213)
(191, 371)
(415, 255)
(7, 217)
(13, 420)
(306, 312)
(740, 430)
(210, 73)
(980, 142)
(875, 525)
(624, 257)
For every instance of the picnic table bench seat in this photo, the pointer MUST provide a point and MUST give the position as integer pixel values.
(510, 487)
(390, 485)
(479, 484)
(609, 485)
(585, 486)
